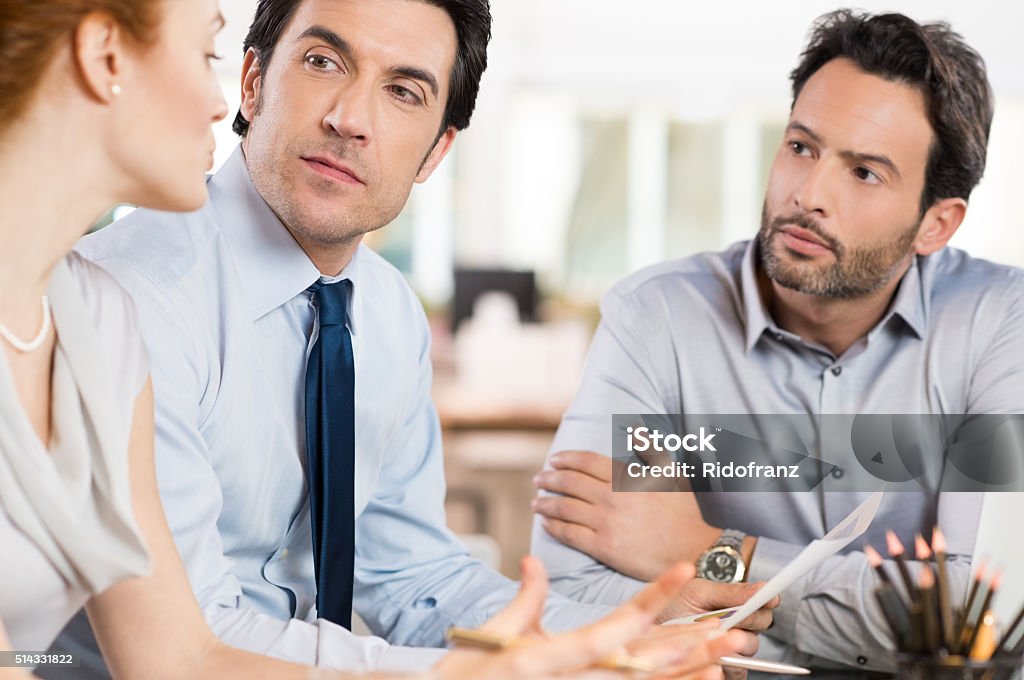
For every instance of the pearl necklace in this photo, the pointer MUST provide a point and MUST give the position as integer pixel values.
(35, 342)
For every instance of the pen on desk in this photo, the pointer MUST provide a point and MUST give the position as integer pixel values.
(617, 662)
(926, 584)
(972, 622)
(896, 552)
(945, 608)
(750, 664)
(480, 639)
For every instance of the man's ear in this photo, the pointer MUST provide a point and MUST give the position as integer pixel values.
(437, 154)
(251, 81)
(98, 53)
(939, 224)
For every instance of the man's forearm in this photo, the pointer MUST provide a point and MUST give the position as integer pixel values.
(321, 643)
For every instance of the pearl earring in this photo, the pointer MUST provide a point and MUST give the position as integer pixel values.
(115, 89)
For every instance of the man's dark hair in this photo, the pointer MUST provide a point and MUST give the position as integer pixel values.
(931, 58)
(472, 20)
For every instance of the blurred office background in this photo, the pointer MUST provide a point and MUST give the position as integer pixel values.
(608, 136)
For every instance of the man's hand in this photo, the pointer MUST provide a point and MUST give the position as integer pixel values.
(700, 595)
(637, 534)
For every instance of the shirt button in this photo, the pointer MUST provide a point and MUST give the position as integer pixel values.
(284, 553)
(862, 660)
(838, 472)
(837, 370)
(778, 336)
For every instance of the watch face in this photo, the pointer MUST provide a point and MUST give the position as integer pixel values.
(719, 565)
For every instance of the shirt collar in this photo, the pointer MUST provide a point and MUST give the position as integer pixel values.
(273, 266)
(909, 302)
(756, 315)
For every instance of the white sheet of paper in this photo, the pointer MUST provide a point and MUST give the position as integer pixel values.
(817, 551)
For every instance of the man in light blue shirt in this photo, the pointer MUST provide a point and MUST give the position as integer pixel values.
(847, 302)
(346, 103)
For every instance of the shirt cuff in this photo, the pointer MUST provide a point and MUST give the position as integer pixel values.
(770, 556)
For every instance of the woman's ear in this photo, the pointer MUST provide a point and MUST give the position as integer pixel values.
(98, 53)
(939, 224)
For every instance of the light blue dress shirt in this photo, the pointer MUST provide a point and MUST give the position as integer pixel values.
(228, 323)
(694, 336)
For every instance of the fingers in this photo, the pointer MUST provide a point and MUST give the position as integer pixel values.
(585, 646)
(568, 510)
(575, 536)
(710, 596)
(708, 673)
(522, 615)
(760, 620)
(593, 464)
(708, 654)
(751, 643)
(772, 603)
(573, 483)
(666, 646)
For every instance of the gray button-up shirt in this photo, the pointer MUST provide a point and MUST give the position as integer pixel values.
(694, 336)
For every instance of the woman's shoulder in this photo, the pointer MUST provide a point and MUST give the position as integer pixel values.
(111, 312)
(108, 304)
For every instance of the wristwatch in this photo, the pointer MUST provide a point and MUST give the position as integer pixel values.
(723, 562)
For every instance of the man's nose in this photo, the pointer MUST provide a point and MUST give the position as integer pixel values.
(352, 115)
(813, 194)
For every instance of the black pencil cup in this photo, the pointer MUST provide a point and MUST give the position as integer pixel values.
(931, 667)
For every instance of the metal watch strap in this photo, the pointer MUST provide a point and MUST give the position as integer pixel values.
(732, 538)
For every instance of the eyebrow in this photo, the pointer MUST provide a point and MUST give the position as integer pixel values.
(880, 159)
(342, 46)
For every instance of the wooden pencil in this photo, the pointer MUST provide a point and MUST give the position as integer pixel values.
(929, 607)
(942, 573)
(896, 551)
(875, 560)
(975, 624)
(1010, 631)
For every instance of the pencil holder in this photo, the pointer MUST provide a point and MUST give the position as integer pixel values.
(931, 667)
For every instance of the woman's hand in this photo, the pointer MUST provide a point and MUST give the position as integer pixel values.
(688, 652)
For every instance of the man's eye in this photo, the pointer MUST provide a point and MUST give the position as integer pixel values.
(321, 63)
(799, 148)
(865, 175)
(405, 94)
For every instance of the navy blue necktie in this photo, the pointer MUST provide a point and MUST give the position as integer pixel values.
(330, 453)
